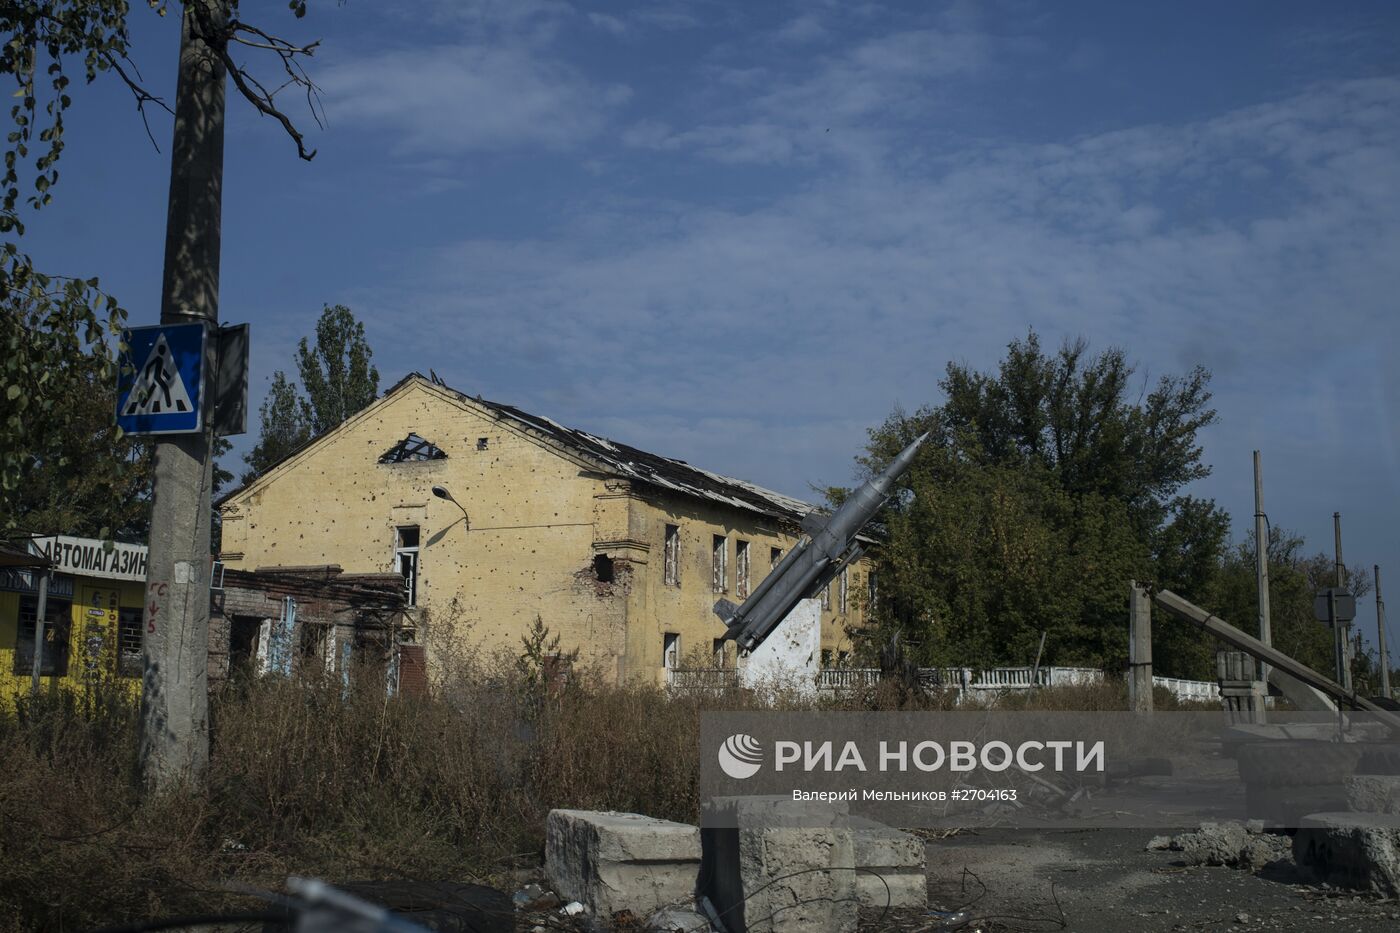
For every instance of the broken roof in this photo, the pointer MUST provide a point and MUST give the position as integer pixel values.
(662, 473)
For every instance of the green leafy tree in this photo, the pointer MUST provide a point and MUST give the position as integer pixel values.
(1044, 488)
(336, 371)
(1294, 578)
(60, 332)
(283, 426)
(77, 474)
(339, 380)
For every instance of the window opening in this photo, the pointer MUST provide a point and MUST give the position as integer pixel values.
(412, 449)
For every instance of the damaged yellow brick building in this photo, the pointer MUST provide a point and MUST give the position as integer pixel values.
(620, 552)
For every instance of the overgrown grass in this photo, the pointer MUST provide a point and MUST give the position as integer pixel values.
(310, 778)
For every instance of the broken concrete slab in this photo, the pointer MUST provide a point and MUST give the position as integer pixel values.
(1235, 845)
(1355, 850)
(1373, 793)
(774, 865)
(678, 920)
(612, 862)
(891, 869)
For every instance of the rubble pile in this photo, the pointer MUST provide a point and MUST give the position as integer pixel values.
(1231, 844)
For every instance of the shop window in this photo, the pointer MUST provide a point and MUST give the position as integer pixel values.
(129, 637)
(57, 630)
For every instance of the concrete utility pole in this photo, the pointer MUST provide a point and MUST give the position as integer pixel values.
(1343, 642)
(1380, 634)
(1139, 648)
(1261, 564)
(175, 698)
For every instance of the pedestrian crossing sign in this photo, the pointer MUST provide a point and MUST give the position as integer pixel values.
(160, 382)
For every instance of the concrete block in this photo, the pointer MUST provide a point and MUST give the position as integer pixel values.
(1355, 850)
(890, 866)
(1374, 793)
(772, 865)
(611, 862)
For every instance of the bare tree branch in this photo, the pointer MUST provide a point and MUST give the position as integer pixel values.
(141, 94)
(249, 86)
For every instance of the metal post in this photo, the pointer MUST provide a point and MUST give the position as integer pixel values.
(1261, 565)
(174, 741)
(1035, 669)
(40, 618)
(1139, 649)
(1380, 635)
(1343, 642)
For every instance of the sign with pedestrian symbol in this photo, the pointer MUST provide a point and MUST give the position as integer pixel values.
(161, 381)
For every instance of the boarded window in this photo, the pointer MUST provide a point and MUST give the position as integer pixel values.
(129, 642)
(741, 568)
(672, 573)
(57, 630)
(412, 449)
(413, 670)
(719, 565)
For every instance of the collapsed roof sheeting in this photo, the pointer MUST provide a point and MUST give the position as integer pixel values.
(662, 473)
(412, 449)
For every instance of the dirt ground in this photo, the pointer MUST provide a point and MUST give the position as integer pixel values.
(1104, 880)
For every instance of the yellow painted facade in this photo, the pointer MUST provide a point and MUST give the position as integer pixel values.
(550, 531)
(89, 649)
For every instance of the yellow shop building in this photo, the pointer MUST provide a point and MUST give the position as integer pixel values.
(93, 617)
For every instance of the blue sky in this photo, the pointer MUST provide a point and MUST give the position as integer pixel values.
(741, 233)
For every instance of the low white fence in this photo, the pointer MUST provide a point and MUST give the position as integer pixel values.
(965, 680)
(1199, 690)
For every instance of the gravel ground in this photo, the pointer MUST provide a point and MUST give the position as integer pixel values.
(1104, 880)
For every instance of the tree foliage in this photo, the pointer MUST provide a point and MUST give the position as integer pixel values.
(75, 472)
(336, 372)
(339, 380)
(62, 465)
(1044, 488)
(283, 426)
(1294, 578)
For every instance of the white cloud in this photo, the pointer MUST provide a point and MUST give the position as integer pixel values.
(841, 107)
(459, 98)
(812, 314)
(802, 30)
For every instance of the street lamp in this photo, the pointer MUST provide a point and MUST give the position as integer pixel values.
(442, 493)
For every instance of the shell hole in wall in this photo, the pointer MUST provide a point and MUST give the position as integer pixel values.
(603, 569)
